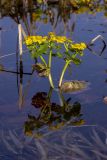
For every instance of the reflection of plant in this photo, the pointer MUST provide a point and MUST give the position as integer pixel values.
(51, 114)
(30, 11)
(50, 45)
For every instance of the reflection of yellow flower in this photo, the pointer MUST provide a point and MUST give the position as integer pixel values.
(57, 126)
(28, 133)
(38, 135)
(78, 123)
(78, 46)
(85, 1)
(35, 16)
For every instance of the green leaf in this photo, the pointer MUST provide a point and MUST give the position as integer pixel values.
(34, 55)
(74, 55)
(76, 61)
(53, 45)
(42, 49)
(58, 47)
(81, 53)
(59, 55)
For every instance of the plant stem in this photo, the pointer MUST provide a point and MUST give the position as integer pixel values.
(43, 60)
(66, 47)
(50, 93)
(49, 65)
(50, 80)
(50, 59)
(63, 72)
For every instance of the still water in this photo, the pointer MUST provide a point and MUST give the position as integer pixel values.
(71, 141)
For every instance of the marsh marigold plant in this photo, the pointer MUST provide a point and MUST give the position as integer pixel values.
(54, 45)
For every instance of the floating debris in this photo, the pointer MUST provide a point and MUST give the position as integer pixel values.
(41, 69)
(73, 86)
(105, 99)
(1, 67)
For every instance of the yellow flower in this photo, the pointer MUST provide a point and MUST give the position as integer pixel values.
(78, 46)
(51, 34)
(28, 41)
(35, 39)
(61, 39)
(36, 16)
(57, 39)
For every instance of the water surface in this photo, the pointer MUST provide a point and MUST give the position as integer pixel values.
(52, 144)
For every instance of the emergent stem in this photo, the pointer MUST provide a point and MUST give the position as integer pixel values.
(50, 80)
(66, 47)
(50, 59)
(49, 65)
(63, 72)
(50, 93)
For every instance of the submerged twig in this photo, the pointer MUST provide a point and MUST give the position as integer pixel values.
(95, 39)
(6, 55)
(20, 41)
(15, 72)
